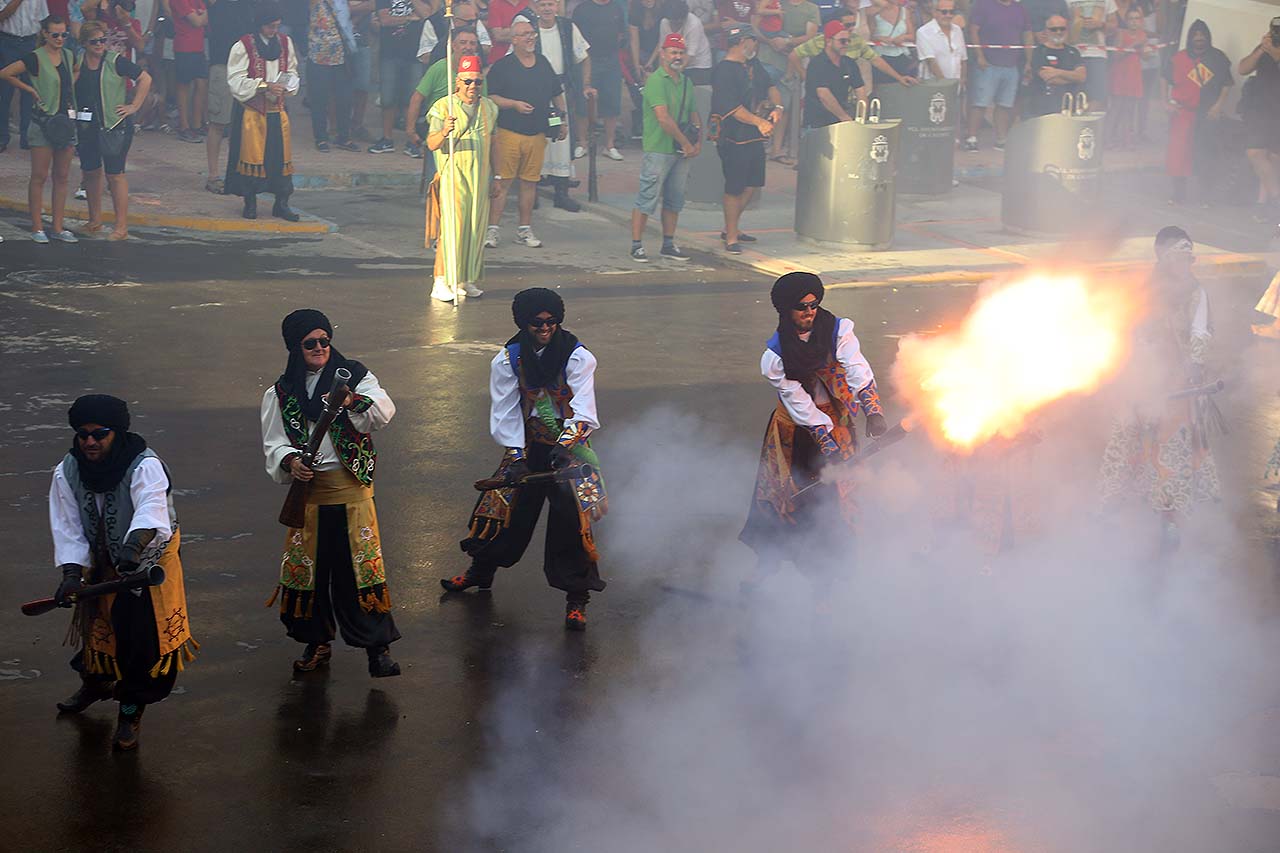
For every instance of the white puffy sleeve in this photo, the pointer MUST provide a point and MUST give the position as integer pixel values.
(275, 442)
(795, 399)
(506, 419)
(580, 373)
(242, 86)
(291, 65)
(1201, 330)
(148, 489)
(69, 542)
(849, 353)
(380, 409)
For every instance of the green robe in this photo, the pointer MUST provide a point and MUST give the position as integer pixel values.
(464, 186)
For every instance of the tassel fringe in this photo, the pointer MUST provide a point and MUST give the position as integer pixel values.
(176, 659)
(99, 663)
(371, 601)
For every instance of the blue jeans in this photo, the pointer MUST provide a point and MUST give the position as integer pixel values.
(662, 176)
(13, 48)
(995, 84)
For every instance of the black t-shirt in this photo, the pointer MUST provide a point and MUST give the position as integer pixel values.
(1045, 98)
(841, 80)
(229, 21)
(89, 85)
(602, 26)
(1263, 95)
(32, 64)
(400, 41)
(733, 85)
(509, 78)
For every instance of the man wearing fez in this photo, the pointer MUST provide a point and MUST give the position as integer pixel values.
(111, 514)
(332, 570)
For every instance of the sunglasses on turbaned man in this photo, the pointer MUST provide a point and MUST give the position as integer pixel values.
(312, 343)
(96, 434)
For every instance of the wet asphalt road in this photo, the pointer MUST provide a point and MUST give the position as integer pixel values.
(244, 756)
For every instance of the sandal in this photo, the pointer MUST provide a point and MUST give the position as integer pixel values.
(215, 186)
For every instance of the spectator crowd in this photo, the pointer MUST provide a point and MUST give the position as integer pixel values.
(215, 72)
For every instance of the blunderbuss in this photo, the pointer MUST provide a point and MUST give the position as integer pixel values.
(559, 475)
(294, 512)
(153, 576)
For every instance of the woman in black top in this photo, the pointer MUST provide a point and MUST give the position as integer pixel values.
(645, 20)
(44, 157)
(94, 157)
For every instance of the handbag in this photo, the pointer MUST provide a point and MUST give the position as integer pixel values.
(690, 130)
(59, 130)
(114, 142)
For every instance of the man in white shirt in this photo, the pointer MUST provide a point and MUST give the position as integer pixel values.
(816, 365)
(940, 46)
(464, 15)
(543, 411)
(111, 515)
(564, 46)
(332, 570)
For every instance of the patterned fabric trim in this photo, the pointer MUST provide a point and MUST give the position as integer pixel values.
(355, 449)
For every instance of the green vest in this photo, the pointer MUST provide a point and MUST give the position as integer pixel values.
(115, 91)
(48, 83)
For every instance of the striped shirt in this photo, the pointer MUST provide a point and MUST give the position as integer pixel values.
(25, 20)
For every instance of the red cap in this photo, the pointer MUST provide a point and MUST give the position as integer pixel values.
(469, 64)
(833, 29)
(674, 40)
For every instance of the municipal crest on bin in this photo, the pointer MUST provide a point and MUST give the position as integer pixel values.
(1084, 145)
(880, 149)
(938, 108)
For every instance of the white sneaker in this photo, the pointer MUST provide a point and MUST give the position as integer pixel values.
(613, 154)
(82, 194)
(526, 237)
(440, 290)
(471, 290)
(579, 153)
(491, 237)
(65, 236)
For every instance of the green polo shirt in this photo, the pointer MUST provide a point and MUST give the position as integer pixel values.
(434, 85)
(661, 90)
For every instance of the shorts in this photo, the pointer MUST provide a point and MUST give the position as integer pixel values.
(996, 84)
(397, 80)
(662, 176)
(743, 165)
(362, 66)
(190, 67)
(519, 156)
(91, 156)
(1261, 131)
(219, 96)
(36, 137)
(608, 86)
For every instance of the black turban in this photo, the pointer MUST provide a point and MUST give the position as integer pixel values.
(1169, 236)
(268, 13)
(531, 302)
(545, 368)
(801, 358)
(105, 474)
(100, 409)
(296, 326)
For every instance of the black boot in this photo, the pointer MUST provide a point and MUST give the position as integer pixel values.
(281, 210)
(575, 614)
(462, 583)
(90, 691)
(128, 727)
(314, 656)
(380, 663)
(562, 199)
(250, 207)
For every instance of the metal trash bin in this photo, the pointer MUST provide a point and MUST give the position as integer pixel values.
(927, 161)
(845, 186)
(1053, 170)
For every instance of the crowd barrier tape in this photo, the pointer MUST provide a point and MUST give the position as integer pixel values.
(1108, 48)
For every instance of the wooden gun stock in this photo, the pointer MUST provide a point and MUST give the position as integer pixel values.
(152, 577)
(294, 512)
(560, 475)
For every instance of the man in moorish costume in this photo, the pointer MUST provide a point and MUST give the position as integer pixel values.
(111, 513)
(823, 380)
(261, 70)
(463, 122)
(543, 411)
(1159, 454)
(332, 567)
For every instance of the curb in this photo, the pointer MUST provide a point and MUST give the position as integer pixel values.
(190, 223)
(352, 180)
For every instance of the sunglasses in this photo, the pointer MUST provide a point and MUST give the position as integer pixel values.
(945, 11)
(539, 323)
(1056, 29)
(839, 40)
(469, 81)
(96, 434)
(312, 343)
(96, 41)
(55, 35)
(811, 305)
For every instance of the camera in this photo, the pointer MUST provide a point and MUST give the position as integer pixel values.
(1275, 32)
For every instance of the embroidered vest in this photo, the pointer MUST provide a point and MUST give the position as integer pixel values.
(258, 71)
(832, 375)
(114, 91)
(355, 449)
(559, 395)
(48, 83)
(117, 505)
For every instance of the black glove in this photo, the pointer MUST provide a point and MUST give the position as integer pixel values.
(516, 470)
(70, 585)
(876, 425)
(562, 457)
(131, 552)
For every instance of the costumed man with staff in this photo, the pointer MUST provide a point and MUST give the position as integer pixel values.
(460, 134)
(1159, 454)
(332, 568)
(111, 514)
(543, 411)
(262, 70)
(815, 363)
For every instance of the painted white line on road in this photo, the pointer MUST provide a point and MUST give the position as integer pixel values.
(367, 246)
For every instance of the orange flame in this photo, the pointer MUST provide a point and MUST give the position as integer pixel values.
(1022, 346)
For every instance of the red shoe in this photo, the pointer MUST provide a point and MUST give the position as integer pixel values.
(575, 616)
